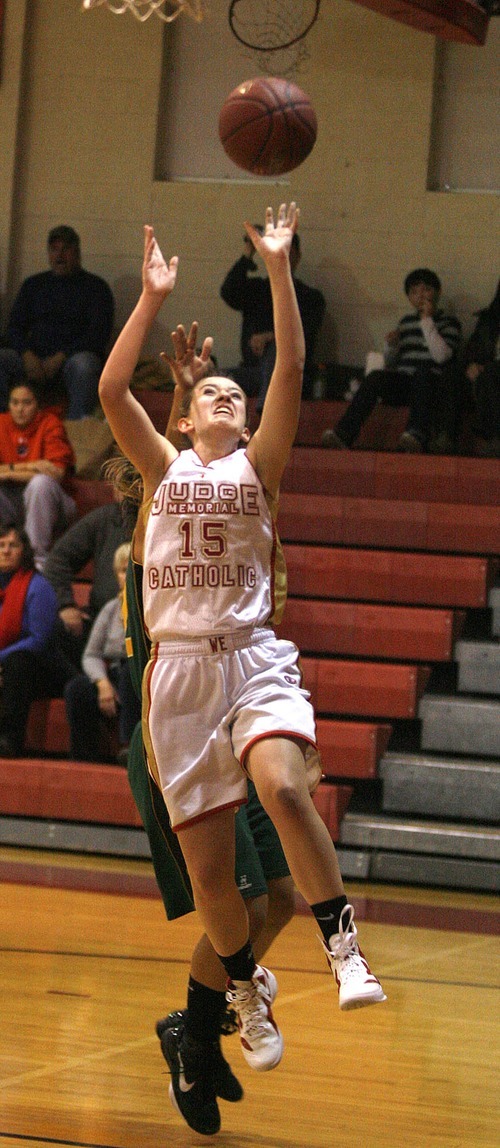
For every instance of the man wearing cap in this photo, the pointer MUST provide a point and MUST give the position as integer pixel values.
(59, 329)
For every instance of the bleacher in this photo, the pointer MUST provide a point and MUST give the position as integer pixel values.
(394, 602)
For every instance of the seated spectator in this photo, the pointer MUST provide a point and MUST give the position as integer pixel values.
(36, 459)
(482, 371)
(104, 690)
(28, 611)
(93, 538)
(416, 355)
(59, 329)
(251, 294)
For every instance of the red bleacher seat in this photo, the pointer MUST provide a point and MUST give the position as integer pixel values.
(331, 801)
(458, 529)
(89, 493)
(388, 576)
(48, 731)
(393, 524)
(410, 477)
(437, 478)
(67, 791)
(352, 748)
(363, 630)
(371, 689)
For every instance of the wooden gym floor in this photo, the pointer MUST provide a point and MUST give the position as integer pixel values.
(88, 963)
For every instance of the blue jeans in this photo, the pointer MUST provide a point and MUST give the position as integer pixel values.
(84, 716)
(78, 378)
(398, 390)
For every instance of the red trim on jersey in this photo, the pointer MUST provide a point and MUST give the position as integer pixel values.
(291, 735)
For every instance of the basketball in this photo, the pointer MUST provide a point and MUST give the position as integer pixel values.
(267, 125)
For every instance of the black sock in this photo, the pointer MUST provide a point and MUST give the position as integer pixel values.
(328, 915)
(206, 1008)
(240, 966)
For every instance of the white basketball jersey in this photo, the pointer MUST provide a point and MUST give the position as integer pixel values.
(212, 558)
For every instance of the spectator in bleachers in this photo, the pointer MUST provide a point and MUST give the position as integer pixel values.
(28, 612)
(92, 539)
(36, 460)
(251, 294)
(104, 691)
(482, 371)
(417, 354)
(59, 329)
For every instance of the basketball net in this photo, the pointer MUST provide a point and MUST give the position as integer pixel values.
(166, 10)
(285, 62)
(273, 32)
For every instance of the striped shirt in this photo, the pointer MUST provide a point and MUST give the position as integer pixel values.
(415, 349)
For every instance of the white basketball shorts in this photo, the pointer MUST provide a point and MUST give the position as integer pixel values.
(206, 701)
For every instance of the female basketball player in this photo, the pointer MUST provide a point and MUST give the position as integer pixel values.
(222, 695)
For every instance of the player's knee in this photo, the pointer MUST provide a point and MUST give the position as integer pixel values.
(209, 883)
(283, 800)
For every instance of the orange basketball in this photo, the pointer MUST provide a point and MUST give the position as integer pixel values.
(267, 125)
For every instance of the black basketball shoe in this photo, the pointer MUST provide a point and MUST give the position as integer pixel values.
(226, 1084)
(191, 1090)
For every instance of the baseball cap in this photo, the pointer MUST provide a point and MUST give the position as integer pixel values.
(66, 234)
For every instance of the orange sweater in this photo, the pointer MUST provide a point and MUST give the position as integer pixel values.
(44, 437)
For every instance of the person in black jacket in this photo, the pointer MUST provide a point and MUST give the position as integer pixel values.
(93, 538)
(251, 294)
(482, 372)
(59, 329)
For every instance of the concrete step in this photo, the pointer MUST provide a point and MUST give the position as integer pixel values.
(73, 837)
(410, 835)
(460, 725)
(415, 783)
(420, 869)
(478, 667)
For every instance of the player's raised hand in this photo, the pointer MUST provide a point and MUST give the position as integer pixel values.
(187, 367)
(158, 276)
(278, 234)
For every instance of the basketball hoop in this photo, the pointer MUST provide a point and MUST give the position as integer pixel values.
(143, 9)
(274, 32)
(268, 26)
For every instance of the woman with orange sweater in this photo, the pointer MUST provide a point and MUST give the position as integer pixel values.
(36, 459)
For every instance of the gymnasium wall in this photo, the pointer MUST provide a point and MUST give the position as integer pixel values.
(79, 96)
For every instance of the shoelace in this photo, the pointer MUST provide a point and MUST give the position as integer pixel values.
(250, 1008)
(345, 944)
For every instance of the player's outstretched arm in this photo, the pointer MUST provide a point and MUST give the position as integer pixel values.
(269, 449)
(131, 426)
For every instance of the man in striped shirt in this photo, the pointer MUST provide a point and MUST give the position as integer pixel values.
(415, 357)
